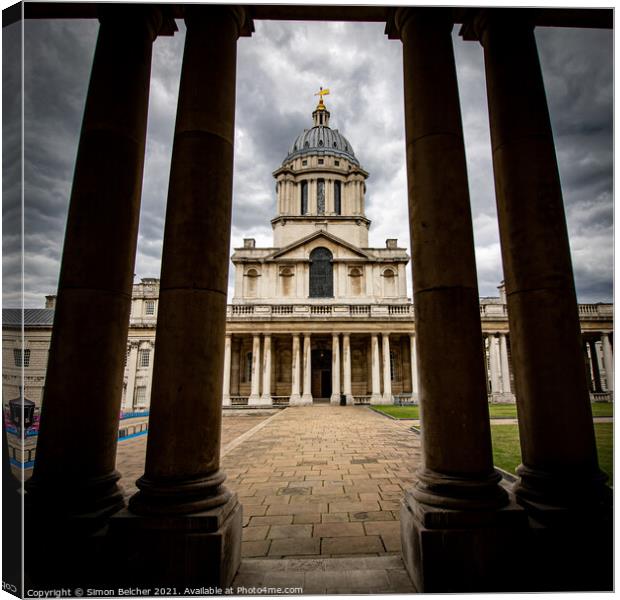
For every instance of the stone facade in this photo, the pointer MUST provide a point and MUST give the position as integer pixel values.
(284, 344)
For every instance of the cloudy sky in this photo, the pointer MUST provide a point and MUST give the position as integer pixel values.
(279, 69)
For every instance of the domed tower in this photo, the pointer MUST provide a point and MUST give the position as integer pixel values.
(320, 185)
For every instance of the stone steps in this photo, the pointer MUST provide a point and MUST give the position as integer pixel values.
(293, 576)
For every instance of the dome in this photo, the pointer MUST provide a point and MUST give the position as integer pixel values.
(322, 139)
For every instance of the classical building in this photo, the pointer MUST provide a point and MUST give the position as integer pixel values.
(319, 316)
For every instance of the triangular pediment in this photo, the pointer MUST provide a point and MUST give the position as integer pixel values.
(301, 248)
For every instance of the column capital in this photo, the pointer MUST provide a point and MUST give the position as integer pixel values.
(158, 20)
(400, 18)
(196, 14)
(484, 20)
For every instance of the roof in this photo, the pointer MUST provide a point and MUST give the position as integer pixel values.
(32, 317)
(321, 139)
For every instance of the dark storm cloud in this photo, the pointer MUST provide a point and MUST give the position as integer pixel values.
(279, 69)
(11, 163)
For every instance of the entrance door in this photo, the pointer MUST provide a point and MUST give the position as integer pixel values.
(321, 373)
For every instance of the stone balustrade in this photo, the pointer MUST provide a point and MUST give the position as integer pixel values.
(312, 311)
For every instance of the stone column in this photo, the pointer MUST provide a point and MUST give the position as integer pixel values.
(149, 377)
(387, 370)
(227, 363)
(494, 364)
(295, 398)
(375, 397)
(414, 367)
(505, 366)
(560, 483)
(255, 377)
(335, 399)
(458, 491)
(73, 489)
(596, 371)
(346, 368)
(132, 363)
(193, 520)
(306, 397)
(265, 398)
(560, 465)
(608, 361)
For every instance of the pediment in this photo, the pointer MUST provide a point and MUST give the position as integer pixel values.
(300, 249)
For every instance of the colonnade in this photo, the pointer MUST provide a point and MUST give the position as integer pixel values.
(301, 368)
(459, 525)
(499, 366)
(596, 360)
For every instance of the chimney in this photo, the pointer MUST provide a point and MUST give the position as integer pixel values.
(50, 301)
(391, 243)
(249, 243)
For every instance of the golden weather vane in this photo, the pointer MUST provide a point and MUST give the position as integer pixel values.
(322, 92)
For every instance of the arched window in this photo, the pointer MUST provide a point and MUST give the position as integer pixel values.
(304, 197)
(337, 196)
(321, 274)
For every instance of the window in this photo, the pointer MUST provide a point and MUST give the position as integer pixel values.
(321, 161)
(145, 358)
(321, 274)
(320, 197)
(139, 398)
(336, 162)
(149, 307)
(304, 163)
(304, 197)
(337, 196)
(21, 360)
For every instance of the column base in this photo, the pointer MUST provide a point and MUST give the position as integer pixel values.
(305, 400)
(460, 551)
(226, 401)
(294, 400)
(571, 549)
(335, 399)
(76, 522)
(376, 399)
(260, 401)
(350, 400)
(253, 399)
(388, 399)
(198, 550)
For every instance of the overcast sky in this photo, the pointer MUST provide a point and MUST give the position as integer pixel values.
(279, 69)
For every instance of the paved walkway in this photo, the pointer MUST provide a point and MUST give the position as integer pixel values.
(323, 481)
(321, 489)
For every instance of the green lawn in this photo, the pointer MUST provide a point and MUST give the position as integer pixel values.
(507, 454)
(506, 411)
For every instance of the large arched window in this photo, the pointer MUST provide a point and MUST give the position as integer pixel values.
(321, 274)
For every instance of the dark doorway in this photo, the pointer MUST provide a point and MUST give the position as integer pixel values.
(321, 373)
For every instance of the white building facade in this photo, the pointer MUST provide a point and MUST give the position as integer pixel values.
(317, 317)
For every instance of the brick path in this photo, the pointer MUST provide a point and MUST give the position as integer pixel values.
(323, 481)
(321, 489)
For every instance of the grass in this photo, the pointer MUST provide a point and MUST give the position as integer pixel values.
(507, 453)
(505, 411)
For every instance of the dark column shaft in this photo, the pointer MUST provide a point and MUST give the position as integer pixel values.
(555, 418)
(448, 332)
(79, 424)
(183, 453)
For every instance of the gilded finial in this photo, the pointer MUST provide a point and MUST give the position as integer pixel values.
(322, 92)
